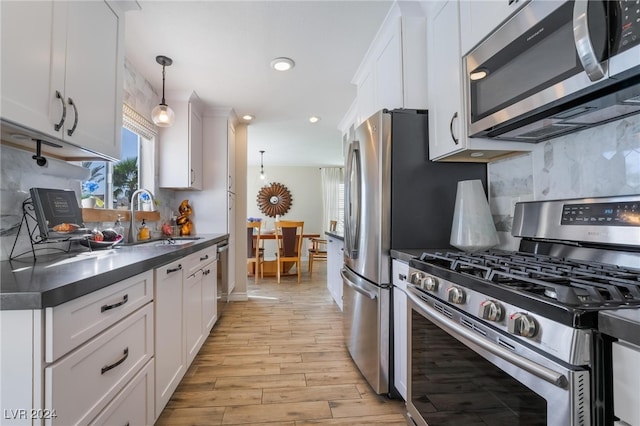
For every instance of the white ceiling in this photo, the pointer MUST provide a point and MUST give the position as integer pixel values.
(222, 50)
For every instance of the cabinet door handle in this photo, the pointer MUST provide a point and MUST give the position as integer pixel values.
(193, 176)
(75, 120)
(402, 277)
(64, 112)
(179, 268)
(125, 299)
(455, 115)
(205, 257)
(206, 272)
(122, 359)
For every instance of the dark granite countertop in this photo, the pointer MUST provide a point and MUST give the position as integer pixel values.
(57, 278)
(623, 324)
(334, 235)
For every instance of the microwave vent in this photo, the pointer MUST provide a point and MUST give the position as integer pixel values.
(574, 112)
(545, 132)
(633, 100)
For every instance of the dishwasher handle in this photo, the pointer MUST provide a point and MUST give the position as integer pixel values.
(352, 282)
(223, 247)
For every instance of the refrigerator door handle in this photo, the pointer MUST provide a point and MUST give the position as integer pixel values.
(352, 283)
(353, 197)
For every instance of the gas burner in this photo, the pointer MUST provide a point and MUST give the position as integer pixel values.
(568, 282)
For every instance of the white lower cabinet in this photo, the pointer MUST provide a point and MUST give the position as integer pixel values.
(335, 259)
(171, 354)
(134, 404)
(192, 300)
(400, 271)
(185, 307)
(81, 384)
(209, 295)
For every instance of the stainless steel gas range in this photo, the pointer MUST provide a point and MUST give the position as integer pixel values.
(500, 337)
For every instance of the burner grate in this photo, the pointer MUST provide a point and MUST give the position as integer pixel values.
(567, 281)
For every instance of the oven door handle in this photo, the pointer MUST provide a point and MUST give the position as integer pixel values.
(455, 329)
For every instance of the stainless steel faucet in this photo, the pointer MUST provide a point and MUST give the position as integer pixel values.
(133, 236)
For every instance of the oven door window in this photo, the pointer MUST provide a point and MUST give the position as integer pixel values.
(452, 385)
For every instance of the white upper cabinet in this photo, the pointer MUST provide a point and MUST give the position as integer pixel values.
(479, 18)
(393, 73)
(181, 145)
(69, 86)
(448, 140)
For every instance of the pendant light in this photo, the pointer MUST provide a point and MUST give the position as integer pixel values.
(163, 115)
(263, 177)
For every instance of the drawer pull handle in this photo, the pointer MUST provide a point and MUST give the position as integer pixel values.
(125, 299)
(125, 355)
(179, 268)
(206, 256)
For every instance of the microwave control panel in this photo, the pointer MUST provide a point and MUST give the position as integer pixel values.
(629, 35)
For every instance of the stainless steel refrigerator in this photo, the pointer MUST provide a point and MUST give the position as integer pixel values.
(395, 198)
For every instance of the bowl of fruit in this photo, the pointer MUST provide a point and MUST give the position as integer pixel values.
(101, 239)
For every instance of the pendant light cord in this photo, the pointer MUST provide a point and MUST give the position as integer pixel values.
(163, 101)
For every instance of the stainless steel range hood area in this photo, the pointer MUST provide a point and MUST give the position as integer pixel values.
(555, 67)
(565, 116)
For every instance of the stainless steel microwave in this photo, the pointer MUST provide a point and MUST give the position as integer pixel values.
(553, 68)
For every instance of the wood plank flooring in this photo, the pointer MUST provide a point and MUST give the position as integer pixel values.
(278, 359)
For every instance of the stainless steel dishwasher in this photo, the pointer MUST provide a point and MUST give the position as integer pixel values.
(223, 276)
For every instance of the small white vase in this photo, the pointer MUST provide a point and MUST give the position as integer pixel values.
(473, 228)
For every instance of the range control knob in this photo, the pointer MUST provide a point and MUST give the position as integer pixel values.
(430, 284)
(522, 324)
(456, 295)
(491, 311)
(416, 278)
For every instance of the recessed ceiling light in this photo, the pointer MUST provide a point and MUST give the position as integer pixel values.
(477, 154)
(248, 117)
(282, 64)
(314, 119)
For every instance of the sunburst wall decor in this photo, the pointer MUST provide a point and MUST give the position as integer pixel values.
(274, 199)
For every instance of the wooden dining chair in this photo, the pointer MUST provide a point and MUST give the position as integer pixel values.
(289, 238)
(318, 249)
(255, 254)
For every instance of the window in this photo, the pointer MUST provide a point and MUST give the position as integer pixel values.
(112, 183)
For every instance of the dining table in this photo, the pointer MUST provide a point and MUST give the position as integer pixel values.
(271, 266)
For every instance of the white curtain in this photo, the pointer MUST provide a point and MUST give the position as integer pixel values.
(332, 196)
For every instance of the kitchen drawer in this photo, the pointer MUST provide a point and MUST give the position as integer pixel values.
(399, 274)
(73, 323)
(626, 382)
(197, 260)
(134, 405)
(82, 383)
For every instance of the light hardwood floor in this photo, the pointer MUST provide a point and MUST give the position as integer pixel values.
(278, 359)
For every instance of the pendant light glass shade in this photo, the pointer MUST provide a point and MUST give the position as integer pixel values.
(163, 115)
(473, 228)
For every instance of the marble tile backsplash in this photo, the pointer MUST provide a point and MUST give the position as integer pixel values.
(19, 172)
(596, 162)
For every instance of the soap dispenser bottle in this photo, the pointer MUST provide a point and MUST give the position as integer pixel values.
(117, 227)
(143, 232)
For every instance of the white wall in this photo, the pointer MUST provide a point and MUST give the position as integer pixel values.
(305, 186)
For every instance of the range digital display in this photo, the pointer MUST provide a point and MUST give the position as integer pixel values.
(605, 214)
